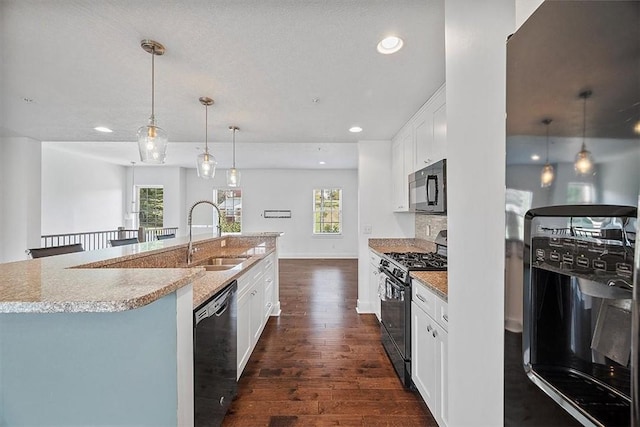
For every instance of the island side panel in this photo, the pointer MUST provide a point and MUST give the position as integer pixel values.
(90, 368)
(184, 333)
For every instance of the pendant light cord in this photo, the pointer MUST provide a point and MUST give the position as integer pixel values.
(153, 74)
(206, 129)
(584, 95)
(584, 122)
(234, 148)
(547, 161)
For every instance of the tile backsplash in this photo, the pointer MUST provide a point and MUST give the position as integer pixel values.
(428, 226)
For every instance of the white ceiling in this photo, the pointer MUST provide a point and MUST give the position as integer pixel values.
(80, 64)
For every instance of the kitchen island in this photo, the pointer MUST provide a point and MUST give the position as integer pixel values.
(106, 337)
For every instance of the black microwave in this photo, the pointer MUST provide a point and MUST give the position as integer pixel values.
(428, 189)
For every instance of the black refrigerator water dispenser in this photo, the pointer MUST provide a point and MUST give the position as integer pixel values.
(578, 288)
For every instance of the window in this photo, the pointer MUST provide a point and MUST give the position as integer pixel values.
(580, 193)
(151, 207)
(229, 202)
(518, 202)
(327, 211)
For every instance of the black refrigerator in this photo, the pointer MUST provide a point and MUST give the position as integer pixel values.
(573, 139)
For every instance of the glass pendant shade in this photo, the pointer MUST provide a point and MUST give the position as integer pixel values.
(584, 161)
(206, 164)
(233, 177)
(152, 140)
(152, 143)
(547, 176)
(233, 174)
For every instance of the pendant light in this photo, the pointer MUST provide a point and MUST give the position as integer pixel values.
(233, 174)
(152, 140)
(548, 174)
(584, 162)
(206, 163)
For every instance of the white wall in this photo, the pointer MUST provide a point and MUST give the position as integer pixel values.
(374, 209)
(476, 35)
(289, 190)
(20, 196)
(80, 194)
(619, 180)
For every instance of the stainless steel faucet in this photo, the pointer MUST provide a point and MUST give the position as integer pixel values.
(190, 250)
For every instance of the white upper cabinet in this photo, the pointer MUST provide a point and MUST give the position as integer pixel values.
(430, 124)
(420, 142)
(401, 167)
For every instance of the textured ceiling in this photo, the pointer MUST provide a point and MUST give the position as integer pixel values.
(80, 65)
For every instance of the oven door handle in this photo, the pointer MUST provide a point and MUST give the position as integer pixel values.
(391, 277)
(392, 289)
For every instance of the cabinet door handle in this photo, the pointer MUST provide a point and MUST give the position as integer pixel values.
(421, 298)
(445, 317)
(429, 328)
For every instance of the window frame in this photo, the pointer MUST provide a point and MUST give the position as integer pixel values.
(216, 192)
(322, 210)
(138, 212)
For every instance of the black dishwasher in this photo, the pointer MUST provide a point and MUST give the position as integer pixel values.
(214, 364)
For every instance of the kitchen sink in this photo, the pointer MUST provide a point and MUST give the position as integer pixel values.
(221, 263)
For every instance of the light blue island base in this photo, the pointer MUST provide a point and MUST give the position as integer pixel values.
(76, 369)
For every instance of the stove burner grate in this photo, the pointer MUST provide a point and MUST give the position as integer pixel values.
(427, 261)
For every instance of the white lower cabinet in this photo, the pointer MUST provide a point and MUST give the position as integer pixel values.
(429, 352)
(255, 304)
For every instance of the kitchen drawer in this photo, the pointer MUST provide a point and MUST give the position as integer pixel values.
(442, 314)
(268, 261)
(244, 282)
(424, 298)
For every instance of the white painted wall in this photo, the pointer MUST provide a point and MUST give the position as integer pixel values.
(374, 193)
(20, 190)
(619, 180)
(289, 189)
(79, 193)
(476, 33)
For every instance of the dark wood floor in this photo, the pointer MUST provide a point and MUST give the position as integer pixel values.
(320, 363)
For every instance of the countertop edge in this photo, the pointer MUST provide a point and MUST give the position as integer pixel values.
(114, 306)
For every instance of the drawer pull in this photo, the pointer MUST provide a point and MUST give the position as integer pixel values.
(445, 317)
(421, 298)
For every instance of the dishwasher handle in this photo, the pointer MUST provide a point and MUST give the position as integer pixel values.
(216, 307)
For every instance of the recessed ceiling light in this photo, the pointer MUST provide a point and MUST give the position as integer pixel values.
(355, 129)
(535, 157)
(322, 162)
(390, 44)
(103, 129)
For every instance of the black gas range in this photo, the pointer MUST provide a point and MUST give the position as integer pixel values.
(399, 264)
(395, 300)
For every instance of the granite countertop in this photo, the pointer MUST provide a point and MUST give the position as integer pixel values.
(436, 280)
(122, 278)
